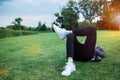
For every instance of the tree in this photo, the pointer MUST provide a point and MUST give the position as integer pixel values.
(17, 23)
(84, 23)
(90, 9)
(68, 18)
(116, 8)
(43, 27)
(18, 20)
(39, 26)
(110, 16)
(14, 26)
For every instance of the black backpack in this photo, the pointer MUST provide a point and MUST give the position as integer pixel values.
(99, 54)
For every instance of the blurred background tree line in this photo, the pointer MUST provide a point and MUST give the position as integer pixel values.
(17, 26)
(103, 14)
(17, 29)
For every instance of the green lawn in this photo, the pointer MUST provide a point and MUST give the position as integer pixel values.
(42, 57)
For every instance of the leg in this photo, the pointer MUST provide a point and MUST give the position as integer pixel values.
(70, 45)
(88, 50)
(90, 41)
(70, 66)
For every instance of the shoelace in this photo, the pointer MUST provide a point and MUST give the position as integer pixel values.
(67, 66)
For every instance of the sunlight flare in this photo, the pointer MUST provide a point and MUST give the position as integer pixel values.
(116, 19)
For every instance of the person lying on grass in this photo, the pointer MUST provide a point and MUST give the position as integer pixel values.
(87, 51)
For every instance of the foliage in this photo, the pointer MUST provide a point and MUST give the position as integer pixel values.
(17, 23)
(68, 18)
(106, 12)
(110, 16)
(18, 20)
(41, 27)
(31, 29)
(4, 33)
(90, 9)
(84, 23)
(17, 28)
(42, 57)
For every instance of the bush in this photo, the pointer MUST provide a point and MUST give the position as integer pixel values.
(11, 33)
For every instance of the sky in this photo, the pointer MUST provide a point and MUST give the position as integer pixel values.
(31, 11)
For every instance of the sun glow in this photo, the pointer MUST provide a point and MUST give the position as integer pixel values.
(112, 11)
(116, 20)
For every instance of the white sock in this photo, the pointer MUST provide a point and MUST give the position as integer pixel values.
(67, 33)
(70, 60)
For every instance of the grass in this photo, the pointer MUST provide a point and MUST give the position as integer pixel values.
(42, 57)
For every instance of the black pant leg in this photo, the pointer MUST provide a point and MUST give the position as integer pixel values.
(71, 44)
(88, 48)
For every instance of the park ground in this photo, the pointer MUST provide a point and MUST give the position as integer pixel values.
(42, 57)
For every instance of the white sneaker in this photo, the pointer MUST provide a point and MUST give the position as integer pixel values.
(69, 68)
(60, 32)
